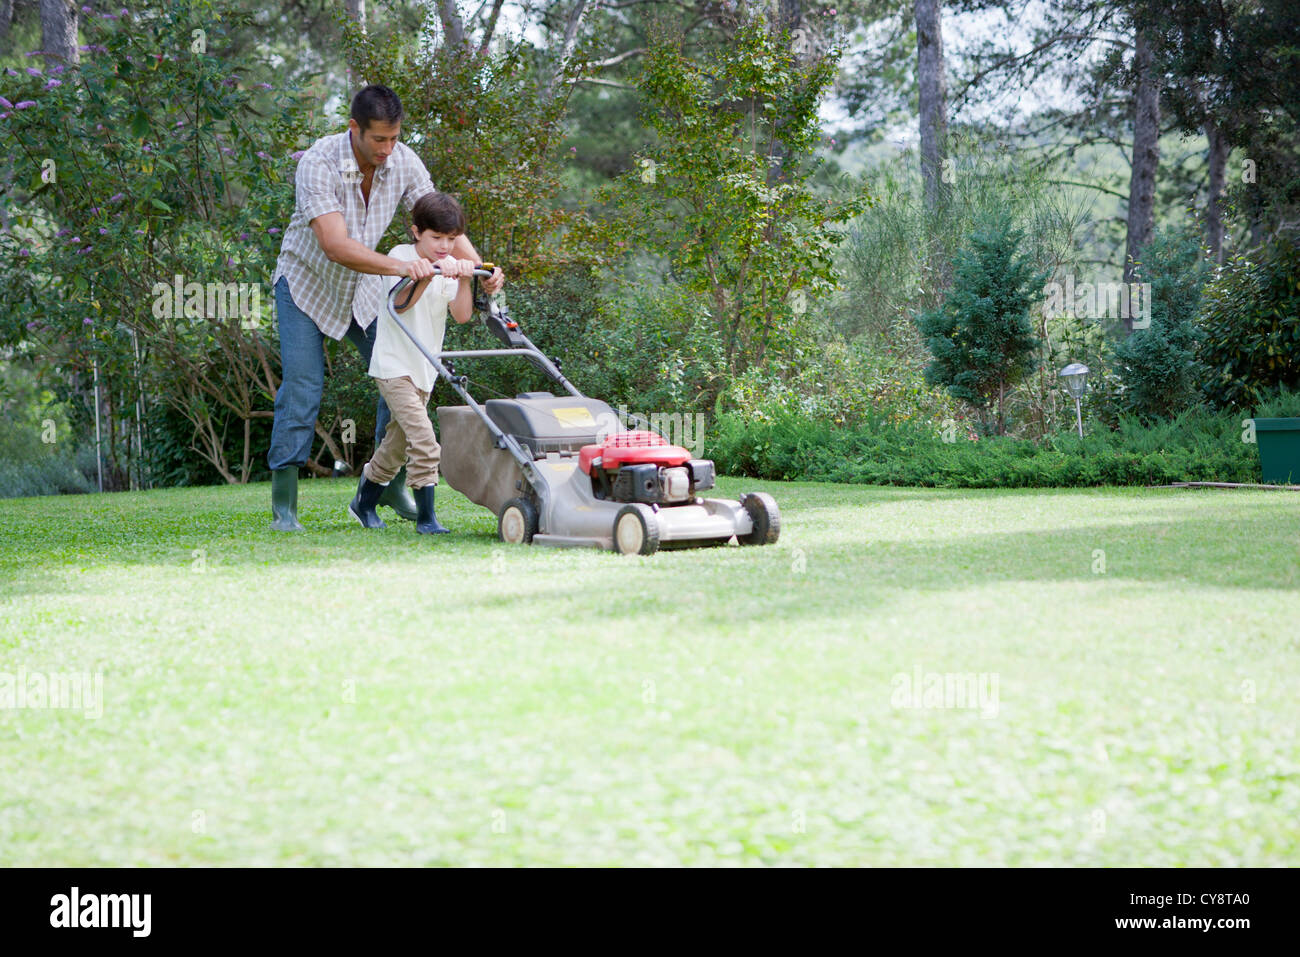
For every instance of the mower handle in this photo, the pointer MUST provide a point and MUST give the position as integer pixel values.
(484, 269)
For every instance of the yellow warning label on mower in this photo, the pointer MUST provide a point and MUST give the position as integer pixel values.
(574, 417)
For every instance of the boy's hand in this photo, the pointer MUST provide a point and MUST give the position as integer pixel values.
(417, 269)
(494, 282)
(454, 268)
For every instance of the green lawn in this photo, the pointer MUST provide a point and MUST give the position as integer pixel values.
(352, 697)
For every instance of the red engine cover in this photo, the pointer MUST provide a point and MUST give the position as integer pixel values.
(633, 448)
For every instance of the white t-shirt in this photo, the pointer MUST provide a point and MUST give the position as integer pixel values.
(394, 354)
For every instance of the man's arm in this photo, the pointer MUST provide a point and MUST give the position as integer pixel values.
(332, 234)
(464, 249)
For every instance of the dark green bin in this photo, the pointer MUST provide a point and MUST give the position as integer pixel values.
(1279, 450)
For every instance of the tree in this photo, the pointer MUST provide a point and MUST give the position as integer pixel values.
(486, 120)
(59, 32)
(149, 160)
(933, 101)
(1233, 72)
(758, 249)
(1101, 52)
(1158, 364)
(1146, 154)
(981, 336)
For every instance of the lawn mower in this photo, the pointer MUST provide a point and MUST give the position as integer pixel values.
(565, 470)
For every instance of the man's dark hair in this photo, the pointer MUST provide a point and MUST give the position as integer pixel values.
(439, 212)
(376, 102)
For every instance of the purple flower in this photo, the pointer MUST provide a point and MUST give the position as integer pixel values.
(243, 237)
(87, 10)
(180, 123)
(147, 148)
(62, 232)
(52, 84)
(85, 48)
(265, 86)
(103, 231)
(87, 321)
(24, 251)
(74, 240)
(57, 68)
(35, 53)
(109, 16)
(5, 103)
(23, 104)
(116, 197)
(4, 116)
(123, 12)
(230, 262)
(263, 156)
(295, 155)
(273, 230)
(140, 232)
(227, 151)
(84, 251)
(573, 149)
(32, 71)
(32, 325)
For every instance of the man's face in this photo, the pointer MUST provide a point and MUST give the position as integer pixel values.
(433, 245)
(377, 143)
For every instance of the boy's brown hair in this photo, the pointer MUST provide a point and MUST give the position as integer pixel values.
(439, 212)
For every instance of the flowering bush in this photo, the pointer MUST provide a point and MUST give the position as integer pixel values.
(150, 159)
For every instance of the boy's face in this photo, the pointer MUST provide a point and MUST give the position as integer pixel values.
(433, 245)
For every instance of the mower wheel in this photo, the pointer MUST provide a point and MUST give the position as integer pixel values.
(636, 530)
(518, 522)
(767, 519)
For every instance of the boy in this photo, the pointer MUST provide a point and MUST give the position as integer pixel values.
(404, 376)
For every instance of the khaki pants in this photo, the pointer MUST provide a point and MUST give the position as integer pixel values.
(410, 439)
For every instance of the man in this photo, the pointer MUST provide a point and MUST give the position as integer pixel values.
(347, 190)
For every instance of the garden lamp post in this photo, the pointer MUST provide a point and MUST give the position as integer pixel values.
(1076, 383)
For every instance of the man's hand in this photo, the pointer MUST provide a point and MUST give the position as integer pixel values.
(416, 269)
(494, 282)
(454, 268)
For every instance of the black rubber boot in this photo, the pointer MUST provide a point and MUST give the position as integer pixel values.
(284, 499)
(396, 497)
(426, 522)
(362, 507)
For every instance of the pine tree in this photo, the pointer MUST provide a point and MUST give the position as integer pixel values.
(981, 336)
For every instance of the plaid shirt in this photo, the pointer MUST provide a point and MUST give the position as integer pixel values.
(329, 181)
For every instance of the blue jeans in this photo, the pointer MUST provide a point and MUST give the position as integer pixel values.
(302, 371)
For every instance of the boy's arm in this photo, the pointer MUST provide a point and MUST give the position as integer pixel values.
(462, 307)
(411, 296)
